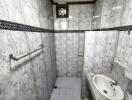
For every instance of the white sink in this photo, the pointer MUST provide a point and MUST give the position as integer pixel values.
(128, 73)
(105, 87)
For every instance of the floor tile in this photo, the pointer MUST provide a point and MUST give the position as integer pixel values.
(68, 88)
(56, 91)
(62, 97)
(76, 97)
(69, 97)
(54, 97)
(69, 91)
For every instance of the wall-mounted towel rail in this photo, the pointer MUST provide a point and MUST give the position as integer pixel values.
(16, 59)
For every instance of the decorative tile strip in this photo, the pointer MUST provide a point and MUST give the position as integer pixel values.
(7, 25)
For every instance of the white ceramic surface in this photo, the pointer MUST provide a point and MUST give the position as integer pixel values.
(103, 85)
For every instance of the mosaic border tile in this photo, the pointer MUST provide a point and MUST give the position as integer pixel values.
(8, 25)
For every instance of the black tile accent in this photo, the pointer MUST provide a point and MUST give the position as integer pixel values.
(70, 31)
(8, 25)
(120, 28)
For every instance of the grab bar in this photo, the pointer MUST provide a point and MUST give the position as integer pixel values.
(16, 59)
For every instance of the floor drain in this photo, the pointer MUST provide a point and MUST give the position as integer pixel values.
(55, 86)
(105, 91)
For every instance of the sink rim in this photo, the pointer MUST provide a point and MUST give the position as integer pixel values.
(118, 90)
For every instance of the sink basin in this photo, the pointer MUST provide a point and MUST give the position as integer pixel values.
(128, 73)
(104, 85)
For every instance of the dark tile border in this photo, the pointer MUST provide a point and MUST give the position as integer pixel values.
(121, 28)
(70, 31)
(8, 25)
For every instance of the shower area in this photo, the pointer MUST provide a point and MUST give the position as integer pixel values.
(70, 44)
(69, 58)
(69, 54)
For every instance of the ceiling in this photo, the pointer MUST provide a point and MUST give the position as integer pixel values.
(73, 1)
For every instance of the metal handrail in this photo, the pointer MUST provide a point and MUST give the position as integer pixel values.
(16, 59)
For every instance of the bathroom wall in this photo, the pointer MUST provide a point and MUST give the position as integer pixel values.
(32, 12)
(123, 58)
(115, 13)
(127, 12)
(80, 18)
(69, 53)
(112, 13)
(99, 52)
(124, 49)
(33, 77)
(70, 45)
(97, 11)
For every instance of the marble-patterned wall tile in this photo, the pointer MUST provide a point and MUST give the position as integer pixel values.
(127, 13)
(98, 54)
(112, 13)
(72, 52)
(123, 58)
(102, 14)
(81, 53)
(97, 14)
(61, 53)
(99, 51)
(78, 19)
(68, 46)
(124, 50)
(33, 77)
(118, 75)
(106, 14)
(31, 12)
(29, 76)
(116, 13)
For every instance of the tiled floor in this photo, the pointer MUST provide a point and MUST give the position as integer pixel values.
(68, 88)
